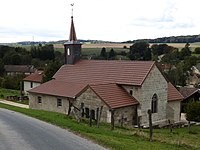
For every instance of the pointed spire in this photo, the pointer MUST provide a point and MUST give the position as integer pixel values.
(72, 36)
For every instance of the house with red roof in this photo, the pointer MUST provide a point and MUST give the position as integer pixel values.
(123, 90)
(19, 69)
(32, 81)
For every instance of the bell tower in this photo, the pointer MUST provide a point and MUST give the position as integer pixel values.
(72, 46)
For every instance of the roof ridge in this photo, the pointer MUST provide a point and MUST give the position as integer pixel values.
(154, 63)
(95, 84)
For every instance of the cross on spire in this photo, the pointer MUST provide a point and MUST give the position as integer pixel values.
(72, 36)
(72, 8)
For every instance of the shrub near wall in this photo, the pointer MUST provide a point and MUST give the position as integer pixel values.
(193, 111)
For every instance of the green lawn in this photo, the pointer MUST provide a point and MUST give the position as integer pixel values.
(120, 138)
(8, 92)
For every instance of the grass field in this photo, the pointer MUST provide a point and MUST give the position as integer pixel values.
(120, 138)
(96, 48)
(8, 92)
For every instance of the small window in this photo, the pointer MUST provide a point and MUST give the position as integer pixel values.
(154, 104)
(93, 114)
(87, 112)
(39, 99)
(59, 102)
(131, 92)
(31, 84)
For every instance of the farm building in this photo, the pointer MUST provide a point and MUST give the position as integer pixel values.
(122, 90)
(19, 69)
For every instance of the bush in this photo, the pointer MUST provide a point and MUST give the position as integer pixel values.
(197, 50)
(12, 82)
(193, 111)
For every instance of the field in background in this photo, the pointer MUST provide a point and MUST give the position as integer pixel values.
(120, 46)
(95, 49)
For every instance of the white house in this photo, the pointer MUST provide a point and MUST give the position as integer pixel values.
(32, 81)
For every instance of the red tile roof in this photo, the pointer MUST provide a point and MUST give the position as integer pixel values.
(35, 77)
(173, 93)
(59, 88)
(187, 91)
(98, 72)
(113, 95)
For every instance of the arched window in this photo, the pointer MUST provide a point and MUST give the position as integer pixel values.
(154, 104)
(68, 51)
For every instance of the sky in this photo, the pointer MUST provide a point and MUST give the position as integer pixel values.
(108, 20)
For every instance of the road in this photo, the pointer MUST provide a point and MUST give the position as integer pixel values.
(20, 132)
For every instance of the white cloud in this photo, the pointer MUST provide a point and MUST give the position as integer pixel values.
(94, 19)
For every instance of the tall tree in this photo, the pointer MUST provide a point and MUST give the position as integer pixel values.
(140, 51)
(50, 70)
(103, 54)
(112, 54)
(185, 51)
(1, 67)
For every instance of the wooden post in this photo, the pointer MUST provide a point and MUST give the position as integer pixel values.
(150, 125)
(20, 99)
(189, 126)
(99, 116)
(170, 126)
(138, 122)
(69, 110)
(122, 120)
(112, 120)
(82, 110)
(90, 117)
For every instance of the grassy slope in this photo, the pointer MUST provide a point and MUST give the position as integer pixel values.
(8, 92)
(120, 139)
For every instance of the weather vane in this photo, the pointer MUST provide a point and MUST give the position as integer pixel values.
(72, 8)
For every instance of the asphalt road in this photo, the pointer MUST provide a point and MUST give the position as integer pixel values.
(19, 132)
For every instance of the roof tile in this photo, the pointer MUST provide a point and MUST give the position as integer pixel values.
(59, 88)
(114, 95)
(173, 93)
(98, 72)
(188, 91)
(35, 77)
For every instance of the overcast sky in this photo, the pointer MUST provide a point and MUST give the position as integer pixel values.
(112, 20)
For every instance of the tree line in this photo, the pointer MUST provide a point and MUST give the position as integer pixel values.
(171, 39)
(180, 60)
(43, 57)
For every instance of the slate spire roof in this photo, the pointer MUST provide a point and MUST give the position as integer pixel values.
(72, 35)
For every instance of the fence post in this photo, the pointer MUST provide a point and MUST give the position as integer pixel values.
(112, 120)
(150, 125)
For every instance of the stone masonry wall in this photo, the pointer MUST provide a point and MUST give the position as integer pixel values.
(155, 83)
(92, 101)
(48, 103)
(173, 110)
(129, 114)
